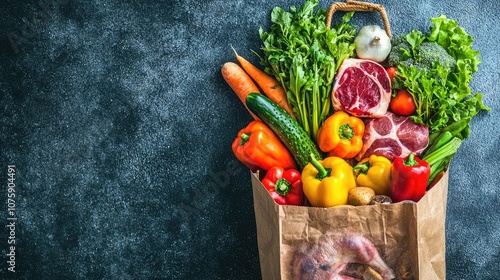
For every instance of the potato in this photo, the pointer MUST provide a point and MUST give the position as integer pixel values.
(360, 196)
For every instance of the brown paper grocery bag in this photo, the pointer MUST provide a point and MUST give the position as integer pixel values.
(404, 240)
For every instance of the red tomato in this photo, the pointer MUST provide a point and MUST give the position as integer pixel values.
(402, 104)
(392, 72)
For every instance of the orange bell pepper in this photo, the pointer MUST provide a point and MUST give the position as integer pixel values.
(341, 135)
(259, 148)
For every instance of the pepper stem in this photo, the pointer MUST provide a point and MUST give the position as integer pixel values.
(244, 138)
(346, 132)
(282, 187)
(322, 171)
(361, 168)
(410, 161)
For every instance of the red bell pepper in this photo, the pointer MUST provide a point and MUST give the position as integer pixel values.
(409, 178)
(284, 186)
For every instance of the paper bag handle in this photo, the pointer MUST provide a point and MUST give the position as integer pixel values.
(354, 5)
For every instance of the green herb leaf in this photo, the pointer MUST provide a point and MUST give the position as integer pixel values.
(304, 56)
(442, 95)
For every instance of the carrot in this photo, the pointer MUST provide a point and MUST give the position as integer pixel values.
(269, 85)
(240, 82)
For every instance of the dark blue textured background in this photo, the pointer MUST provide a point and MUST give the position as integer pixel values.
(120, 125)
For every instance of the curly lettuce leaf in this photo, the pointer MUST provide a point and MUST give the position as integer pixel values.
(455, 40)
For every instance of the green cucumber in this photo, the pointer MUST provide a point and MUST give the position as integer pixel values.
(287, 129)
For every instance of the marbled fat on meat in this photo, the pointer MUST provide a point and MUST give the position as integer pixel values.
(361, 88)
(393, 136)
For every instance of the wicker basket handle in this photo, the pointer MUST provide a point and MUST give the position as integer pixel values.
(354, 5)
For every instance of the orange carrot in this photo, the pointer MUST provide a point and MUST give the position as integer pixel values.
(240, 82)
(269, 85)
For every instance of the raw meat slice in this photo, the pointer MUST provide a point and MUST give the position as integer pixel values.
(393, 136)
(361, 88)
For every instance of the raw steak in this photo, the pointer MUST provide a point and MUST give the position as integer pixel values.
(393, 136)
(361, 88)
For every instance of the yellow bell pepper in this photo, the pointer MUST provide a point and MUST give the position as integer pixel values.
(341, 135)
(327, 182)
(374, 172)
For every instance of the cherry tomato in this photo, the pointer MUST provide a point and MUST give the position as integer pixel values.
(402, 104)
(392, 72)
